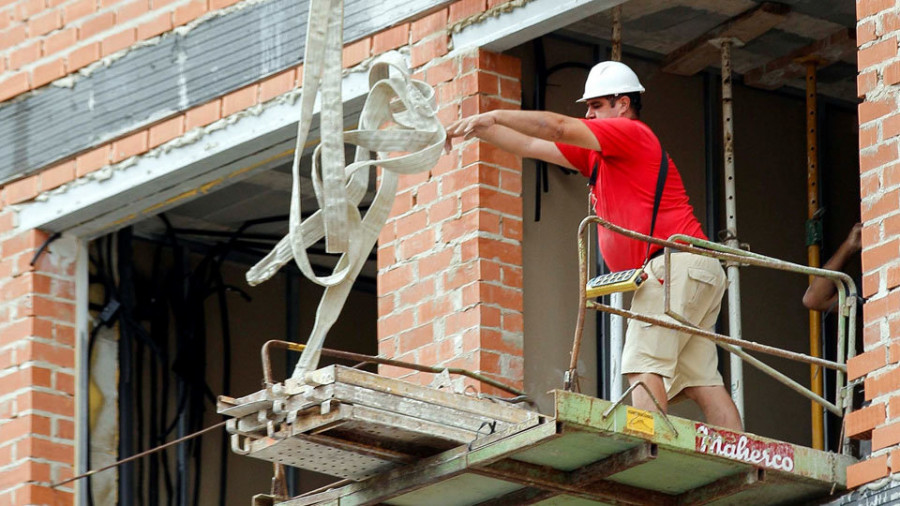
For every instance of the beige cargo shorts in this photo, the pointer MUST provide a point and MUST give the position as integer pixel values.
(683, 360)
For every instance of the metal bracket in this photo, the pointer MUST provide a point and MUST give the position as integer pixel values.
(659, 408)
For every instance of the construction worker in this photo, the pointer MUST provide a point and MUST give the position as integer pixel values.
(822, 293)
(624, 157)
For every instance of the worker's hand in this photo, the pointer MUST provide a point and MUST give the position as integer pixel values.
(853, 242)
(469, 127)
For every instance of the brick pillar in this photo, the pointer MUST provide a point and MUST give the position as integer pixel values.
(450, 256)
(878, 28)
(37, 366)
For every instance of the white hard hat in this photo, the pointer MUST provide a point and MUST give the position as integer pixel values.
(610, 78)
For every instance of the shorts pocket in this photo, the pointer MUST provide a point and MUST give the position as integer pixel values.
(701, 291)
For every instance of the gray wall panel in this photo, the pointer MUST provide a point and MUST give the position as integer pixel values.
(181, 71)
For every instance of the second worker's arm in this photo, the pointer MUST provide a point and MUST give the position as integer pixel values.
(822, 292)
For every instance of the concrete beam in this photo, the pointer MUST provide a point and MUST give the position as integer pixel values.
(827, 51)
(699, 53)
(225, 152)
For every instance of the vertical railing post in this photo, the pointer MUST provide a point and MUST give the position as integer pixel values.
(734, 280)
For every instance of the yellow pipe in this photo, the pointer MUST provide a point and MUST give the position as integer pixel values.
(812, 199)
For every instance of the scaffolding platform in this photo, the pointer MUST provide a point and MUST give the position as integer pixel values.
(595, 452)
(354, 424)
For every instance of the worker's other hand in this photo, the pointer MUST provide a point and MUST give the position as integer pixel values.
(854, 238)
(469, 127)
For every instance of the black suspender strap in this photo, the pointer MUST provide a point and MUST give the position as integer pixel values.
(660, 184)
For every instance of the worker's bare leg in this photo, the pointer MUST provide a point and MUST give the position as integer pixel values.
(717, 406)
(639, 397)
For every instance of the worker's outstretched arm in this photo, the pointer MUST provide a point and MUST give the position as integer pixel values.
(822, 293)
(530, 134)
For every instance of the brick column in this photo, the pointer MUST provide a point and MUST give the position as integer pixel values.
(37, 366)
(450, 256)
(878, 28)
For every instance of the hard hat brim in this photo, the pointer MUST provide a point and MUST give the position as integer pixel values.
(585, 99)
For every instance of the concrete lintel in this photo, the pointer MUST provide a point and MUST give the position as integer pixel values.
(225, 152)
(822, 53)
(525, 23)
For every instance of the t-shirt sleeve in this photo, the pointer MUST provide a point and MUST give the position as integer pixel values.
(615, 135)
(579, 157)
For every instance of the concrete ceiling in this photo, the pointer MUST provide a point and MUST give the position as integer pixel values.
(662, 27)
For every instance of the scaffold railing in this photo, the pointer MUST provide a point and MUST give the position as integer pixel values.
(846, 327)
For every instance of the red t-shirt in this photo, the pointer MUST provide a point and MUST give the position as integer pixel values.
(628, 167)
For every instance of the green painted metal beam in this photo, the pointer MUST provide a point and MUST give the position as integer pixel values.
(596, 453)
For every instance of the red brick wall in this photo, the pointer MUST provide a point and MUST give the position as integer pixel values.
(37, 367)
(43, 40)
(879, 125)
(450, 256)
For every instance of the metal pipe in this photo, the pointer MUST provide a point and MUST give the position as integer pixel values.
(127, 489)
(719, 338)
(715, 250)
(845, 287)
(734, 278)
(616, 323)
(569, 380)
(813, 252)
(140, 455)
(616, 346)
(793, 385)
(358, 357)
(291, 332)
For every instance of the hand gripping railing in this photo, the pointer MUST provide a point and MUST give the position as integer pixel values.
(846, 289)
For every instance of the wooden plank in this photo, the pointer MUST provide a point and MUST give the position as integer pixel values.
(827, 51)
(460, 402)
(698, 54)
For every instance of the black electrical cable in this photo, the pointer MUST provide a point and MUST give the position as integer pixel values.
(541, 76)
(127, 373)
(226, 376)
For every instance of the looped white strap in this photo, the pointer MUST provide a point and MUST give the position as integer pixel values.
(398, 116)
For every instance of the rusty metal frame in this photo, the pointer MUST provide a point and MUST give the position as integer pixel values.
(846, 315)
(641, 384)
(588, 482)
(724, 487)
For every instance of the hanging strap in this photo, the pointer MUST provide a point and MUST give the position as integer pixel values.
(660, 184)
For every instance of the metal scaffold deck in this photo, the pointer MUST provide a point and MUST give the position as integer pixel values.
(406, 444)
